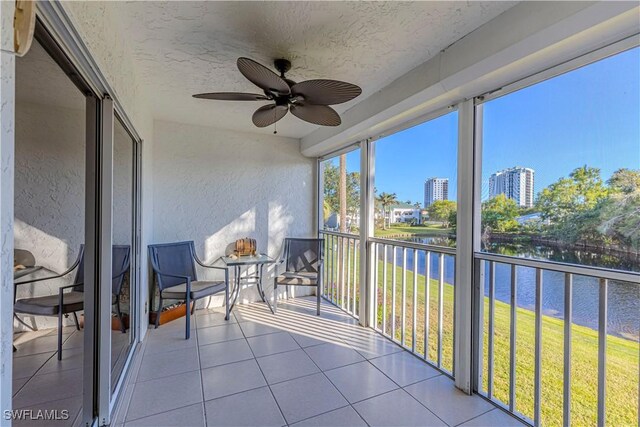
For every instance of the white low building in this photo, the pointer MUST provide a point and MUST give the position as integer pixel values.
(403, 213)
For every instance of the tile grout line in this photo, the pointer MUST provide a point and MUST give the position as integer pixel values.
(255, 359)
(348, 405)
(203, 407)
(473, 418)
(334, 386)
(136, 370)
(315, 373)
(50, 401)
(159, 413)
(42, 366)
(399, 386)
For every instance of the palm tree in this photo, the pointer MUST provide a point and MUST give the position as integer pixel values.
(343, 193)
(386, 200)
(418, 207)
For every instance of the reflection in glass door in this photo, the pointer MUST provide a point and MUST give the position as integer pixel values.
(124, 278)
(54, 345)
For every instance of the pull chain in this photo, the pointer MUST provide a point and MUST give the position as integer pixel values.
(275, 123)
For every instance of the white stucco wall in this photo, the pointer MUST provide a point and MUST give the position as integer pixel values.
(122, 186)
(49, 193)
(214, 187)
(49, 183)
(7, 113)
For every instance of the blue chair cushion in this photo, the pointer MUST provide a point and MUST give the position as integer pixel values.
(199, 289)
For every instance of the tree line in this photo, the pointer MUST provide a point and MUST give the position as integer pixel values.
(579, 208)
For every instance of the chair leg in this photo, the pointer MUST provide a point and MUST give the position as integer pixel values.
(275, 296)
(119, 314)
(187, 332)
(158, 314)
(75, 319)
(287, 290)
(193, 308)
(59, 333)
(226, 301)
(318, 298)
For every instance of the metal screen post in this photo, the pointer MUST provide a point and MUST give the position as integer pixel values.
(103, 260)
(602, 353)
(537, 414)
(467, 191)
(568, 309)
(366, 308)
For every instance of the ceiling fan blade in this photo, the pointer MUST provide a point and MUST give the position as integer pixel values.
(262, 77)
(325, 92)
(269, 114)
(316, 114)
(231, 96)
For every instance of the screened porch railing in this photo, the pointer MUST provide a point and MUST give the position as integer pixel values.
(507, 380)
(342, 270)
(413, 286)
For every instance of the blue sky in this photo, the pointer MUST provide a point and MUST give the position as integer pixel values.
(588, 116)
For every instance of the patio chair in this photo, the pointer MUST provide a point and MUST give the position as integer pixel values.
(65, 303)
(62, 304)
(174, 265)
(303, 259)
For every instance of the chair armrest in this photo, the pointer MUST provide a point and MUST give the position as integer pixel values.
(77, 285)
(202, 264)
(121, 273)
(57, 276)
(278, 265)
(61, 294)
(41, 279)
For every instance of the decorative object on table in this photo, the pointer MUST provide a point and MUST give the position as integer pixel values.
(23, 260)
(303, 259)
(245, 247)
(308, 100)
(174, 265)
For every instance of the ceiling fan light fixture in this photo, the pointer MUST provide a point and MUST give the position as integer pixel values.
(308, 100)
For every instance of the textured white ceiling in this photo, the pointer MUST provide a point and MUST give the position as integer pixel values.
(182, 48)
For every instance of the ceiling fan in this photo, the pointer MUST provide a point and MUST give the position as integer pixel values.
(308, 100)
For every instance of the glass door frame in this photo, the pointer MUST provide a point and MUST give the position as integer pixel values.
(56, 33)
(135, 264)
(93, 107)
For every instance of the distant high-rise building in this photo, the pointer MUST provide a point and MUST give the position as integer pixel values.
(515, 183)
(435, 189)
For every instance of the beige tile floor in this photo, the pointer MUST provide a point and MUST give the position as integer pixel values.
(42, 382)
(293, 368)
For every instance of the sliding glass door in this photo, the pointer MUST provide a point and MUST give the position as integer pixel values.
(76, 228)
(124, 262)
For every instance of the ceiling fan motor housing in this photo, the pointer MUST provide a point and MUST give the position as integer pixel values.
(282, 65)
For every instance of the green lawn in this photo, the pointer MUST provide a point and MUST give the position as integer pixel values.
(401, 230)
(622, 355)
